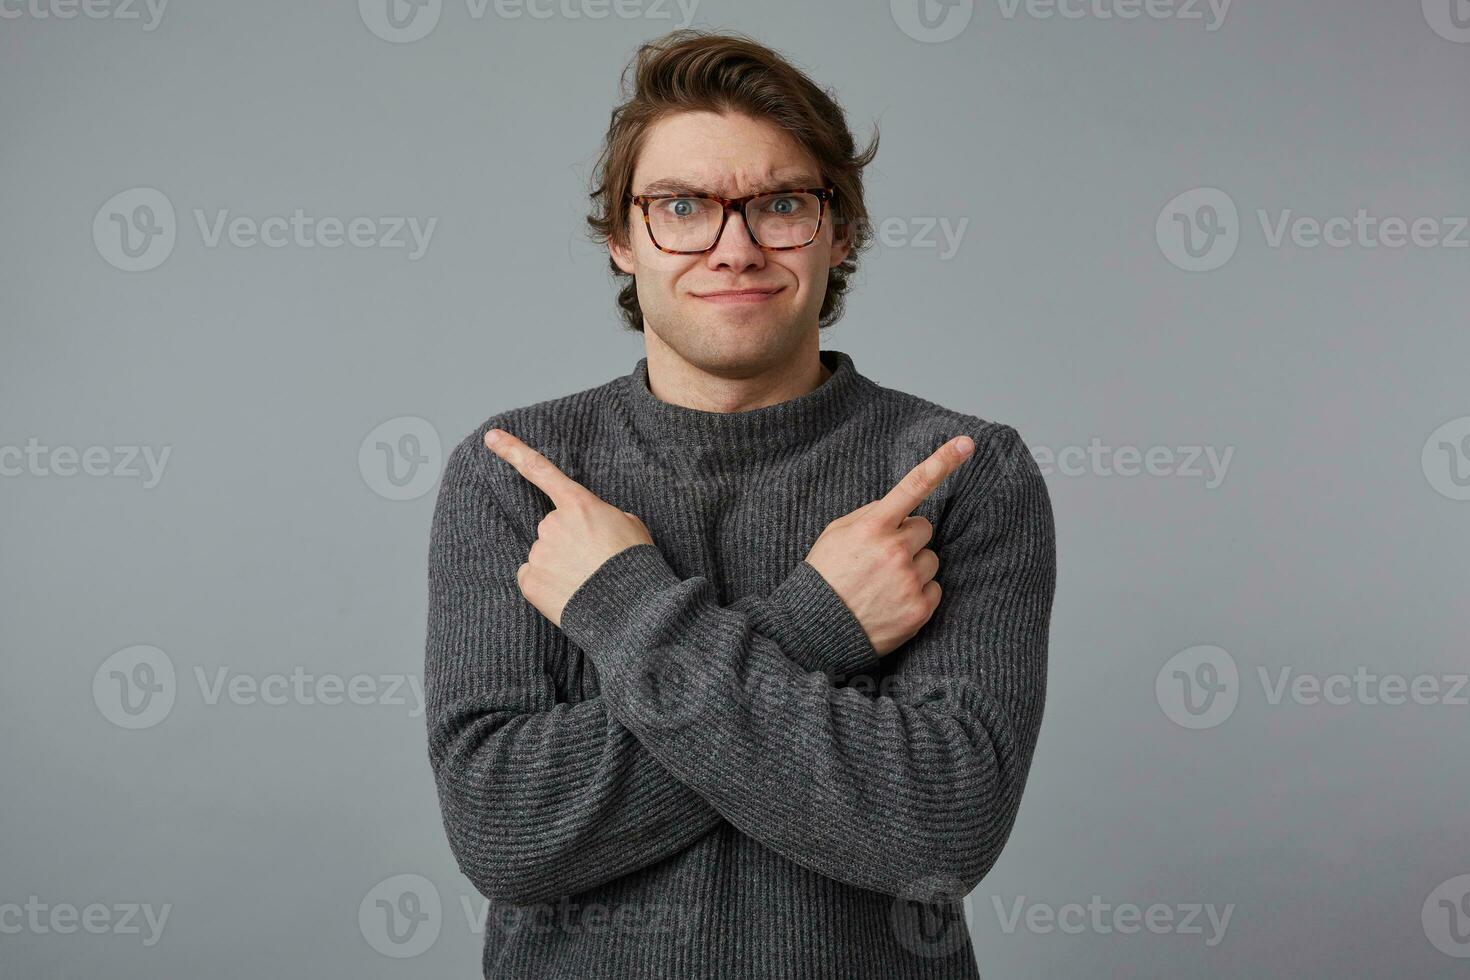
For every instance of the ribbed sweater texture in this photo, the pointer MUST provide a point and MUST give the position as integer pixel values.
(706, 771)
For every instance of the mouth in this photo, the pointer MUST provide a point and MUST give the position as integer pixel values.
(739, 295)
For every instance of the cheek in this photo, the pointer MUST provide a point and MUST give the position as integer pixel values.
(648, 262)
(660, 275)
(810, 270)
(668, 272)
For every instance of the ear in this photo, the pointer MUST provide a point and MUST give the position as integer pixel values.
(622, 255)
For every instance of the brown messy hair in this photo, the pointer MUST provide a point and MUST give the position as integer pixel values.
(692, 70)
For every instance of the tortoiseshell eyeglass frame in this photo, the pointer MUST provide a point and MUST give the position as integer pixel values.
(823, 195)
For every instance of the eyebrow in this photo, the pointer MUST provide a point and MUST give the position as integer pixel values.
(677, 185)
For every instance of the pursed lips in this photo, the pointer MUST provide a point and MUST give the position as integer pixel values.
(740, 295)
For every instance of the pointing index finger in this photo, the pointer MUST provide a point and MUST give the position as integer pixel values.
(535, 467)
(922, 480)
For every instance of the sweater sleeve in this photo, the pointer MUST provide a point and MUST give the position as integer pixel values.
(811, 624)
(496, 731)
(539, 799)
(915, 787)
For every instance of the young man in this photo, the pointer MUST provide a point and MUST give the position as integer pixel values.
(698, 704)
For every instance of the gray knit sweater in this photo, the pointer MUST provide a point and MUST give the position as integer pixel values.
(706, 772)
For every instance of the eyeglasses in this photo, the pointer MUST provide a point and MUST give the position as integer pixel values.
(687, 224)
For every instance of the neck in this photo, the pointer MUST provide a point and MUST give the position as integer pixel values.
(701, 440)
(779, 377)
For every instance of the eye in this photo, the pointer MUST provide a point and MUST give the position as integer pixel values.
(682, 207)
(788, 205)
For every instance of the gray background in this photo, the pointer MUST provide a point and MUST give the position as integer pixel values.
(266, 548)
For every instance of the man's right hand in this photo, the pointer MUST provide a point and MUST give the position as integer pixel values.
(875, 559)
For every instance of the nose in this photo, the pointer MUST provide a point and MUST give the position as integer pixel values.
(734, 249)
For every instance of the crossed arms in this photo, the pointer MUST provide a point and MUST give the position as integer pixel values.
(711, 713)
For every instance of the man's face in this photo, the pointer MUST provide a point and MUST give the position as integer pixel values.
(730, 155)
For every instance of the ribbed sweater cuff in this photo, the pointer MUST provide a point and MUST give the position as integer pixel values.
(822, 625)
(604, 612)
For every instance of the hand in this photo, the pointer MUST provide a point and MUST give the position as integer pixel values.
(875, 559)
(574, 539)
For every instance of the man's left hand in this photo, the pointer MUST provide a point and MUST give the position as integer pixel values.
(574, 539)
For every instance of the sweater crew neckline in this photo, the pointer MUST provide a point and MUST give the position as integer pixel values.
(723, 438)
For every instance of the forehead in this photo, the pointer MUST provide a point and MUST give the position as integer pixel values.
(722, 153)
